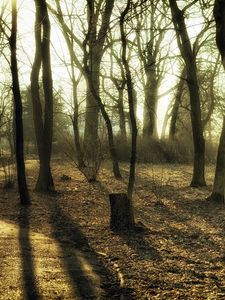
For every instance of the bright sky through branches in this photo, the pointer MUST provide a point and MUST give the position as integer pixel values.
(26, 45)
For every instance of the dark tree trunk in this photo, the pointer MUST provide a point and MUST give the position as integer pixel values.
(92, 60)
(19, 145)
(95, 42)
(131, 101)
(198, 178)
(150, 106)
(74, 62)
(122, 118)
(80, 156)
(176, 104)
(219, 180)
(108, 124)
(122, 217)
(91, 114)
(43, 117)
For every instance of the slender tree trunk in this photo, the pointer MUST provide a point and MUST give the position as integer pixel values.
(176, 104)
(80, 157)
(21, 173)
(219, 180)
(95, 41)
(43, 117)
(198, 178)
(164, 126)
(74, 62)
(108, 124)
(150, 106)
(91, 113)
(122, 119)
(92, 61)
(131, 101)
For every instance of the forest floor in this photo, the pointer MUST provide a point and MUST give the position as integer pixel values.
(61, 246)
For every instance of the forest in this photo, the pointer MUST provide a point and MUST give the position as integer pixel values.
(112, 149)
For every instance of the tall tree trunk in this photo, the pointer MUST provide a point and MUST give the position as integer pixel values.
(131, 101)
(198, 178)
(92, 61)
(164, 125)
(21, 173)
(122, 119)
(43, 117)
(74, 62)
(95, 40)
(80, 156)
(91, 113)
(150, 106)
(219, 180)
(122, 216)
(176, 104)
(112, 148)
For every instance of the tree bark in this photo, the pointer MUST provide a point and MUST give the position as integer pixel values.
(80, 155)
(18, 113)
(122, 217)
(92, 60)
(219, 179)
(43, 116)
(74, 62)
(112, 148)
(95, 42)
(177, 102)
(131, 101)
(122, 118)
(198, 177)
(150, 106)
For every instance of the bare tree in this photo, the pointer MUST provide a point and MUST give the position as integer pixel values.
(71, 41)
(43, 117)
(176, 104)
(219, 180)
(92, 60)
(131, 101)
(183, 40)
(117, 77)
(122, 215)
(150, 31)
(95, 41)
(19, 143)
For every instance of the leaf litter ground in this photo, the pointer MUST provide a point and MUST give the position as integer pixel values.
(61, 246)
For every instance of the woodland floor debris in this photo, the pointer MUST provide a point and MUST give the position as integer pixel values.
(61, 247)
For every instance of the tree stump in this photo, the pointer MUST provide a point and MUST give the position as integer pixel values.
(122, 217)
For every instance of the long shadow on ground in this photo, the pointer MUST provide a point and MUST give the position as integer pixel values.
(73, 243)
(30, 287)
(135, 239)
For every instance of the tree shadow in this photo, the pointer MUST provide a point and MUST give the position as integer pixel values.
(29, 278)
(74, 243)
(142, 246)
(135, 239)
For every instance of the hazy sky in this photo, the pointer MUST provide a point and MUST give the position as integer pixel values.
(60, 74)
